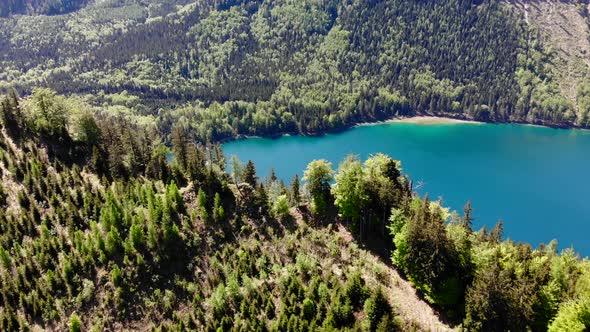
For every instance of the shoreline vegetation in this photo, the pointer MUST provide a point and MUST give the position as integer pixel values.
(418, 119)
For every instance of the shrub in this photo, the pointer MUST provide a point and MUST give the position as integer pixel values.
(308, 309)
(376, 307)
(280, 207)
(75, 323)
(572, 316)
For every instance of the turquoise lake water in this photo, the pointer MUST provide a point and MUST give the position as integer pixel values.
(537, 180)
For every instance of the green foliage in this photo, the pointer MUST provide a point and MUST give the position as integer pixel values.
(116, 276)
(202, 203)
(224, 69)
(280, 206)
(46, 7)
(83, 127)
(180, 147)
(376, 308)
(572, 316)
(492, 302)
(583, 98)
(249, 175)
(308, 309)
(83, 238)
(365, 193)
(295, 190)
(306, 264)
(75, 323)
(349, 188)
(47, 113)
(218, 210)
(540, 100)
(236, 169)
(355, 290)
(318, 176)
(427, 255)
(113, 241)
(5, 258)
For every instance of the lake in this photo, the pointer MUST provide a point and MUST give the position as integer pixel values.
(533, 178)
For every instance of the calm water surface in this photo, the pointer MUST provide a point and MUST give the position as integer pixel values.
(537, 180)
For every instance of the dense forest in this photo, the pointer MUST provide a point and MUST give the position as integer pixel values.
(47, 7)
(99, 230)
(230, 68)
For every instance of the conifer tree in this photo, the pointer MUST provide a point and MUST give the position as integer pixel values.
(202, 203)
(295, 194)
(250, 174)
(218, 211)
(75, 323)
(179, 146)
(496, 233)
(261, 200)
(272, 177)
(467, 220)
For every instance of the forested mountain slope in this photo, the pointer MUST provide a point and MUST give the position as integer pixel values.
(230, 68)
(99, 231)
(46, 7)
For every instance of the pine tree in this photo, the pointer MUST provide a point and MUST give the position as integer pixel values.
(250, 174)
(218, 211)
(179, 146)
(75, 323)
(295, 194)
(12, 118)
(432, 261)
(273, 177)
(467, 219)
(195, 162)
(5, 259)
(376, 307)
(202, 203)
(261, 200)
(116, 166)
(496, 233)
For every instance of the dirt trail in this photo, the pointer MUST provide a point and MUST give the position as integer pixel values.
(400, 292)
(564, 30)
(409, 305)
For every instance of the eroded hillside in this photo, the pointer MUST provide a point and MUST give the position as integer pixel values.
(564, 31)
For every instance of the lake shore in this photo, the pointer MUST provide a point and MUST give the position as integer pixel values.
(464, 156)
(426, 120)
(431, 120)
